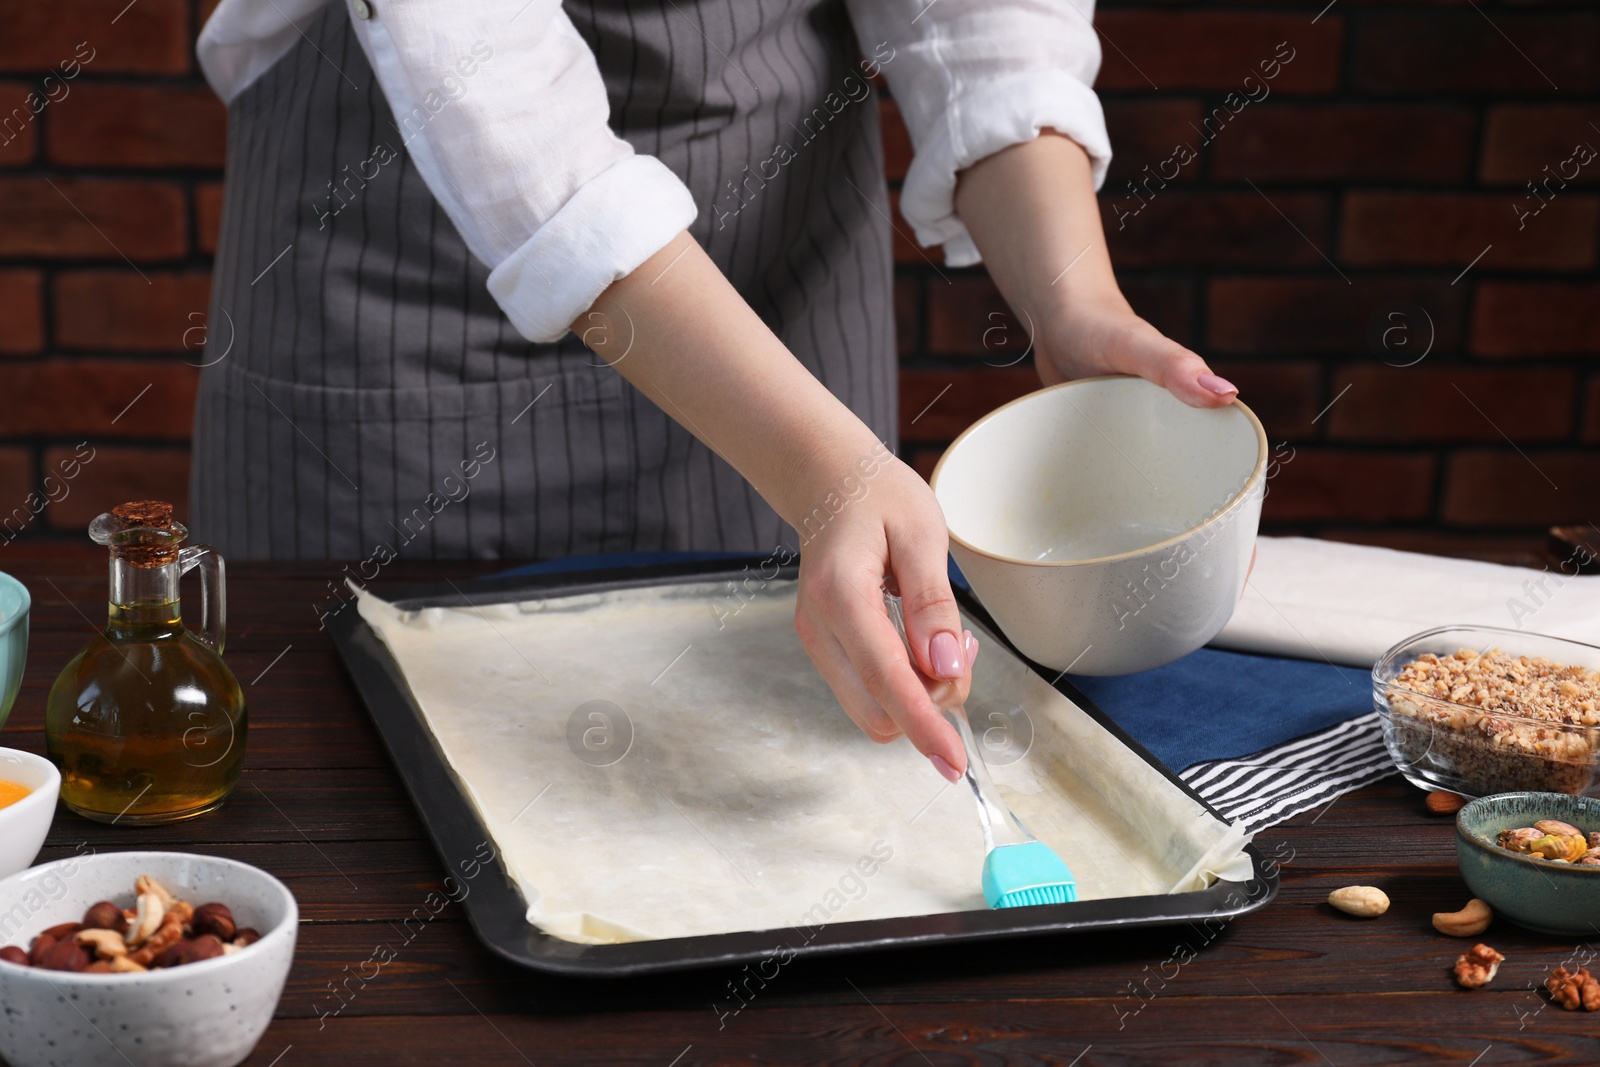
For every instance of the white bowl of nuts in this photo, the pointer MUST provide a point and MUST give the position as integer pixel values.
(1479, 710)
(160, 958)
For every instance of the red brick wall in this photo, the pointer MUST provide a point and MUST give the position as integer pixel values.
(104, 254)
(1387, 155)
(1396, 142)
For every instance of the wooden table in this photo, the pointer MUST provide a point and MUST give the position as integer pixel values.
(320, 807)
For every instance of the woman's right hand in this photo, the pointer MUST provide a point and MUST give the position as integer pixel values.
(873, 527)
(694, 347)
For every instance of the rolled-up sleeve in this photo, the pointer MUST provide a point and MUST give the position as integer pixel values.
(972, 77)
(504, 112)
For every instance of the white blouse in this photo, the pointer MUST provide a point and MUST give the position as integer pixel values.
(504, 112)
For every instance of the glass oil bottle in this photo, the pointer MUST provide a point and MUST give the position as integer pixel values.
(147, 723)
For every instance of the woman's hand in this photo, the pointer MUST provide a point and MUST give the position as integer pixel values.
(887, 526)
(693, 346)
(1032, 212)
(1083, 336)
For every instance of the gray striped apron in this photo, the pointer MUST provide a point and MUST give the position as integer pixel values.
(366, 396)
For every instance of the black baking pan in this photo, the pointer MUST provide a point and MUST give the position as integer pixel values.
(496, 909)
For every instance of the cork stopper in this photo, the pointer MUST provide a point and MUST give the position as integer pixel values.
(144, 533)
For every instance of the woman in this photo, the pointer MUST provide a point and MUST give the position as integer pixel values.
(443, 222)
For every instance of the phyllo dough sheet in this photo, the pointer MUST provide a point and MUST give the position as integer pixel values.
(666, 762)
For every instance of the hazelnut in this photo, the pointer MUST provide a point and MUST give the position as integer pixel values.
(214, 919)
(173, 956)
(105, 916)
(38, 947)
(204, 947)
(13, 954)
(191, 950)
(98, 967)
(248, 936)
(62, 931)
(64, 956)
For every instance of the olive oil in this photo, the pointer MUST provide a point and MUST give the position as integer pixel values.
(147, 723)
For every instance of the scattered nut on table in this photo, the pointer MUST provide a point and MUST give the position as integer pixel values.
(158, 931)
(1470, 921)
(1365, 901)
(1477, 967)
(1444, 802)
(1574, 989)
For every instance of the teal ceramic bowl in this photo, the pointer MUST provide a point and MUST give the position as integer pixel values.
(14, 605)
(1552, 898)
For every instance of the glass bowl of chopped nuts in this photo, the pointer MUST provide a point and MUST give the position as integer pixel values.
(1479, 710)
(162, 958)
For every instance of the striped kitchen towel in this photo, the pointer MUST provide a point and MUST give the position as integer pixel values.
(1308, 773)
(1261, 738)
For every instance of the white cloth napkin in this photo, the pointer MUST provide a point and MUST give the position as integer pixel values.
(1350, 603)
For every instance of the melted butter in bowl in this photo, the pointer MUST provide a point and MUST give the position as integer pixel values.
(11, 792)
(29, 786)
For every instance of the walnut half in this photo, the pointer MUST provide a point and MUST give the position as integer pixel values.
(1574, 990)
(1477, 968)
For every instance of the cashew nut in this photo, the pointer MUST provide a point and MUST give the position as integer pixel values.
(146, 884)
(148, 913)
(106, 943)
(1365, 901)
(1470, 921)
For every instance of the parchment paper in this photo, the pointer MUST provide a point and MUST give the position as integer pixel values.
(724, 789)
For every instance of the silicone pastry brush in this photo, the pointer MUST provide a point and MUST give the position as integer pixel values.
(1019, 870)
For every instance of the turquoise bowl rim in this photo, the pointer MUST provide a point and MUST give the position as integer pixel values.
(1506, 855)
(9, 623)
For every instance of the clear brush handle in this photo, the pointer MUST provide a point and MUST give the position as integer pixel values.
(1000, 827)
(213, 591)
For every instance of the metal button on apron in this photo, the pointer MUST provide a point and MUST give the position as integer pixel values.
(362, 9)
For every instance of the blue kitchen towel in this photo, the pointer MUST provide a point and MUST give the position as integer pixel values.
(1261, 738)
(1213, 705)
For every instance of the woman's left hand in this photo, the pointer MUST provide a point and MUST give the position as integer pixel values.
(1084, 335)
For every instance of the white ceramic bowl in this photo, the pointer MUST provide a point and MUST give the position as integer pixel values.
(205, 1014)
(24, 824)
(1106, 525)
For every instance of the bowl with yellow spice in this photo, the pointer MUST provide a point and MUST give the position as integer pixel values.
(29, 785)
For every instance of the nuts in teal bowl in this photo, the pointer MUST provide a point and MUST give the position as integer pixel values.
(1542, 895)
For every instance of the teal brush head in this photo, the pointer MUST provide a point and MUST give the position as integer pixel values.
(1022, 875)
(1019, 870)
